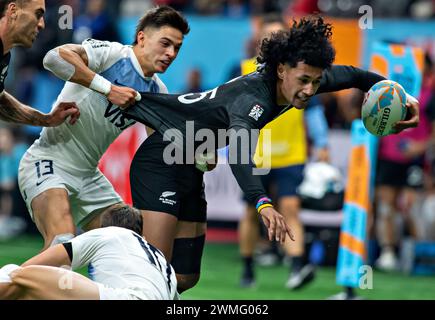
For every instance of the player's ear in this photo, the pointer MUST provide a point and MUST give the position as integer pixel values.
(140, 38)
(11, 10)
(280, 71)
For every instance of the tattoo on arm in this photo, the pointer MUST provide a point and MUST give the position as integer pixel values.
(11, 110)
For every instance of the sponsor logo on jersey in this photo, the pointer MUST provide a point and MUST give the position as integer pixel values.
(256, 112)
(115, 116)
(41, 182)
(165, 195)
(95, 44)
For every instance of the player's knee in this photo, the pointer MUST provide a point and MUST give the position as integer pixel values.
(186, 281)
(186, 260)
(53, 226)
(290, 208)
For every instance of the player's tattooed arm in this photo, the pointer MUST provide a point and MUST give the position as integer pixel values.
(11, 110)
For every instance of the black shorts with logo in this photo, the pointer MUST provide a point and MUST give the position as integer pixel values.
(175, 189)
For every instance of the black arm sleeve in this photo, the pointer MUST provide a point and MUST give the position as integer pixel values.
(240, 154)
(68, 248)
(346, 77)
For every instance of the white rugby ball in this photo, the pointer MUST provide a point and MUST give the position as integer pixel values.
(383, 106)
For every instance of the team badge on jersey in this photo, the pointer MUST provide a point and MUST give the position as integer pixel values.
(256, 112)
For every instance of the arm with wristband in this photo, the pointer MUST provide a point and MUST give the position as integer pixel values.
(340, 77)
(253, 188)
(262, 203)
(70, 62)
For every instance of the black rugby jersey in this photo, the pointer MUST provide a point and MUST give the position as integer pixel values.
(246, 103)
(4, 65)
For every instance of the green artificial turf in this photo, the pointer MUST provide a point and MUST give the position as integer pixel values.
(221, 269)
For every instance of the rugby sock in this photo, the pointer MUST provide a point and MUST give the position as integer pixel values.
(297, 264)
(248, 267)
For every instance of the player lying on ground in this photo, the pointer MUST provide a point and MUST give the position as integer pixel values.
(295, 65)
(58, 175)
(124, 266)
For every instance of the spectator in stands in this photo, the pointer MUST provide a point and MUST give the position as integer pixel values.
(206, 7)
(95, 23)
(10, 156)
(179, 5)
(194, 81)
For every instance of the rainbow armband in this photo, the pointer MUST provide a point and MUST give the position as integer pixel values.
(263, 203)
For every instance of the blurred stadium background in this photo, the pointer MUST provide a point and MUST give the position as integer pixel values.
(220, 38)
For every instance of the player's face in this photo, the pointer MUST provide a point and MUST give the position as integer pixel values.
(295, 86)
(158, 48)
(29, 21)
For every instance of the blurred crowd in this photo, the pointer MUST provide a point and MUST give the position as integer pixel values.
(96, 19)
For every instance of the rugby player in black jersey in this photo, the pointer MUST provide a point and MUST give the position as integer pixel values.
(294, 65)
(20, 23)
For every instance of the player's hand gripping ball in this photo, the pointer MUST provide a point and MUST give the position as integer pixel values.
(383, 106)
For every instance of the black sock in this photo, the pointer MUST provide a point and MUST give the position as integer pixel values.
(274, 248)
(297, 263)
(248, 267)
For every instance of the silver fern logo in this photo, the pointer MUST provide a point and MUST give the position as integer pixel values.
(165, 195)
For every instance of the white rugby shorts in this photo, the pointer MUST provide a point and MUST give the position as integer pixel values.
(88, 193)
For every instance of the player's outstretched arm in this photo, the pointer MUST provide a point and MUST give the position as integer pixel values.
(346, 77)
(240, 150)
(48, 283)
(11, 110)
(340, 77)
(35, 279)
(55, 256)
(70, 62)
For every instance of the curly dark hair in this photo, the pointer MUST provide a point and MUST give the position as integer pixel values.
(306, 41)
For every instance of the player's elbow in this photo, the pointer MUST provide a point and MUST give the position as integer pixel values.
(49, 59)
(186, 282)
(54, 63)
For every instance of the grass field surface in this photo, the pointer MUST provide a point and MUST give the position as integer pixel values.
(221, 268)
